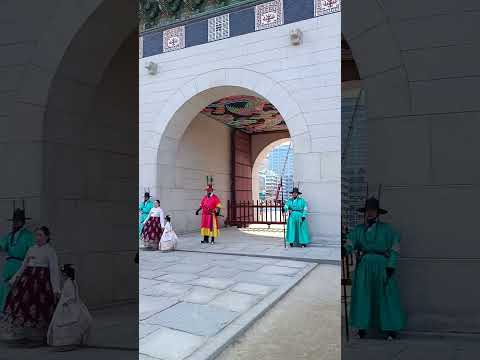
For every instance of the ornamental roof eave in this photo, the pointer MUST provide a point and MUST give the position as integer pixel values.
(182, 19)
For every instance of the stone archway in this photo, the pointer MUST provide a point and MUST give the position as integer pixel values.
(88, 123)
(191, 98)
(70, 54)
(159, 147)
(413, 62)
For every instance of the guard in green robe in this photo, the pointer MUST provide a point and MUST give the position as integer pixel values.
(375, 300)
(15, 244)
(297, 227)
(144, 209)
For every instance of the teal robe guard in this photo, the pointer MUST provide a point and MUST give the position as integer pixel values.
(375, 298)
(297, 230)
(144, 209)
(16, 248)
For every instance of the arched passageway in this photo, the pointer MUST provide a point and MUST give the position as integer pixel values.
(89, 120)
(218, 141)
(266, 146)
(422, 118)
(160, 148)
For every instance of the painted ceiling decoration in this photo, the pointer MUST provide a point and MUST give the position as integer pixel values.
(247, 113)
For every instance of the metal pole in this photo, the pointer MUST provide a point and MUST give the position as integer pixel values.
(347, 332)
(284, 219)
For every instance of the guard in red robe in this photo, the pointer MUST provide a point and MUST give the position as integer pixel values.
(210, 207)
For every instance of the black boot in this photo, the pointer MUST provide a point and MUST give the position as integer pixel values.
(213, 241)
(205, 240)
(291, 245)
(362, 333)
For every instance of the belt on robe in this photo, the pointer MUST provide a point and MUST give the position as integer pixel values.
(14, 258)
(384, 253)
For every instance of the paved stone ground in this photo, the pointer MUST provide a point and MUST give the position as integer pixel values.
(114, 336)
(193, 304)
(257, 241)
(305, 324)
(45, 353)
(411, 346)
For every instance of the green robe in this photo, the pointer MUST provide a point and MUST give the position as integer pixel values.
(297, 230)
(375, 298)
(144, 209)
(17, 248)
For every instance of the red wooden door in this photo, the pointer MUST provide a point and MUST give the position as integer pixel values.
(241, 169)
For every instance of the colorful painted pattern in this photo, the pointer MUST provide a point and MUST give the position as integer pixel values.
(247, 113)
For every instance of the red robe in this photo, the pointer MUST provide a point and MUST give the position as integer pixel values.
(209, 225)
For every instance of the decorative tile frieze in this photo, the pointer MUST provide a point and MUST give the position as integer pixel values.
(325, 7)
(219, 27)
(174, 39)
(268, 15)
(140, 47)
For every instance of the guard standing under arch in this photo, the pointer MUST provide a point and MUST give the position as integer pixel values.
(297, 226)
(210, 207)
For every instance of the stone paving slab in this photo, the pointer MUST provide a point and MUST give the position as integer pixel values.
(146, 329)
(215, 308)
(235, 301)
(278, 270)
(262, 279)
(151, 305)
(211, 349)
(258, 243)
(146, 283)
(187, 268)
(227, 272)
(166, 289)
(201, 295)
(252, 289)
(151, 274)
(179, 278)
(241, 265)
(169, 344)
(290, 263)
(197, 319)
(215, 283)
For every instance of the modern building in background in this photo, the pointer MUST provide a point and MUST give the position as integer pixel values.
(278, 165)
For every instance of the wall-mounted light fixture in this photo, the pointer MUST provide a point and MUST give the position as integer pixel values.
(152, 67)
(296, 36)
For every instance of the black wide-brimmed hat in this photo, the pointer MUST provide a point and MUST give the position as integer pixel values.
(19, 215)
(372, 204)
(295, 190)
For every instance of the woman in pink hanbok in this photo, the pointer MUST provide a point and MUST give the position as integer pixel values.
(153, 227)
